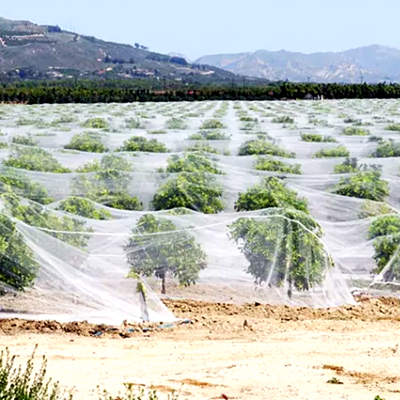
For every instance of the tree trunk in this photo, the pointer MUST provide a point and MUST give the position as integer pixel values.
(163, 288)
(145, 312)
(290, 289)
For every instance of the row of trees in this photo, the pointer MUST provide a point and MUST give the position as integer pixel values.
(282, 247)
(281, 244)
(136, 90)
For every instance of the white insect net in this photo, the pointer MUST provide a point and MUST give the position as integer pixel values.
(106, 206)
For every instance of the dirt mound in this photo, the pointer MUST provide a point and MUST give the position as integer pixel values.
(366, 309)
(15, 326)
(214, 315)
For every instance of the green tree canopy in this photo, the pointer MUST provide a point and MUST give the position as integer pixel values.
(364, 185)
(349, 165)
(339, 151)
(192, 162)
(90, 142)
(196, 191)
(34, 159)
(262, 146)
(387, 148)
(282, 250)
(140, 143)
(270, 164)
(272, 192)
(36, 215)
(158, 248)
(107, 184)
(385, 231)
(17, 182)
(96, 123)
(84, 208)
(18, 268)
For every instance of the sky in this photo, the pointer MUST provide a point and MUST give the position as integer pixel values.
(201, 27)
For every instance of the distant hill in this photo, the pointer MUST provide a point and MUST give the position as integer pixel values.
(368, 64)
(31, 51)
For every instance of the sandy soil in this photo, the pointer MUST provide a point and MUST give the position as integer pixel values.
(228, 352)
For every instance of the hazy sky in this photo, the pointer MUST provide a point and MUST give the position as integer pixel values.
(201, 27)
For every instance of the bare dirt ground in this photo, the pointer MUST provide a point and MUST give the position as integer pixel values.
(227, 351)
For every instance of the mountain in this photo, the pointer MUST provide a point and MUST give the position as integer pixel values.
(368, 64)
(31, 51)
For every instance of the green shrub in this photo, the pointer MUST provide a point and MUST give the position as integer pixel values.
(354, 131)
(87, 142)
(95, 123)
(364, 185)
(84, 208)
(339, 151)
(209, 135)
(140, 143)
(349, 165)
(26, 383)
(387, 148)
(212, 124)
(192, 162)
(30, 382)
(196, 191)
(269, 164)
(262, 146)
(314, 137)
(271, 193)
(34, 159)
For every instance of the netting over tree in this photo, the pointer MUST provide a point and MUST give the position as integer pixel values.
(107, 207)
